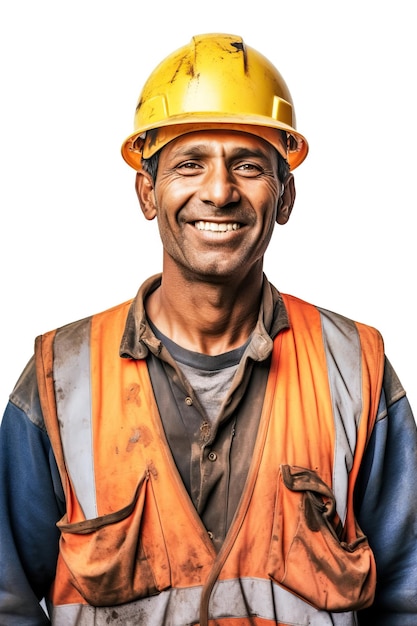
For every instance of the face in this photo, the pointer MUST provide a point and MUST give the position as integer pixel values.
(216, 198)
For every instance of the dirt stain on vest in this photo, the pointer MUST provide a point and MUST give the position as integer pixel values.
(193, 568)
(132, 394)
(141, 435)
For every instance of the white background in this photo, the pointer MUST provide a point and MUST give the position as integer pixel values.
(73, 241)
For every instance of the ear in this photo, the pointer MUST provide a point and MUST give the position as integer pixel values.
(286, 201)
(146, 194)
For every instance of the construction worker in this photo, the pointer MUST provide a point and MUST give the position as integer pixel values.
(212, 452)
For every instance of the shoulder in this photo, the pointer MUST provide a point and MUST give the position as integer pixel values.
(330, 320)
(73, 333)
(25, 395)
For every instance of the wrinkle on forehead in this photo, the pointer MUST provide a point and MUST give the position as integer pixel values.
(220, 143)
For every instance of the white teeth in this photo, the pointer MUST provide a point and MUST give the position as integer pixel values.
(215, 227)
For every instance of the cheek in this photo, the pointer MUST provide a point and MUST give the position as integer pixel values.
(269, 212)
(269, 229)
(269, 216)
(266, 198)
(173, 193)
(164, 227)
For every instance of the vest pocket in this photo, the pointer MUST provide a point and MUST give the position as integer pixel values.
(308, 555)
(119, 557)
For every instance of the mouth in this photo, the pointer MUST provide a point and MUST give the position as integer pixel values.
(217, 227)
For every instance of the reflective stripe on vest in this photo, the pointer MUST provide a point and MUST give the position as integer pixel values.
(266, 602)
(323, 389)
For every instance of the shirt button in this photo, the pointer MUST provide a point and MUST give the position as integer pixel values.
(188, 401)
(212, 456)
(210, 534)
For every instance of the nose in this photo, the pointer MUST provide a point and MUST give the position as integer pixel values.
(218, 187)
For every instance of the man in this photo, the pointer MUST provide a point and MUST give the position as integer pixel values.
(213, 452)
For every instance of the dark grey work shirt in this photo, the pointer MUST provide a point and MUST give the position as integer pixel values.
(212, 455)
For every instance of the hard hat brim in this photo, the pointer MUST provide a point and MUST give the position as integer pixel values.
(135, 147)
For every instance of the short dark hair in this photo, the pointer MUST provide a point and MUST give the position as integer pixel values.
(151, 165)
(283, 167)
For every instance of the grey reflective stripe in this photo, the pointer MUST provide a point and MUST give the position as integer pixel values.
(230, 599)
(72, 374)
(344, 365)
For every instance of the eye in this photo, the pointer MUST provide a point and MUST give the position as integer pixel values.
(248, 169)
(189, 168)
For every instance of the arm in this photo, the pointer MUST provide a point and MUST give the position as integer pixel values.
(387, 508)
(31, 502)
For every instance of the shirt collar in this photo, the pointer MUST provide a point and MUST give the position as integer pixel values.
(138, 338)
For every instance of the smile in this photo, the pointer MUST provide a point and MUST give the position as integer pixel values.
(216, 227)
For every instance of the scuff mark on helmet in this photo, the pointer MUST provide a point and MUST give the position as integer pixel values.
(240, 46)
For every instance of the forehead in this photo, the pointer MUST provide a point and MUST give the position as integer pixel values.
(218, 142)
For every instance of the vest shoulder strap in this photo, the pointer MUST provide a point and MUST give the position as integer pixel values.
(45, 379)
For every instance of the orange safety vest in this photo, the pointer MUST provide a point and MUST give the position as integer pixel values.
(132, 545)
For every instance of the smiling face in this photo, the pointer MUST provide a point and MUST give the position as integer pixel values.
(217, 196)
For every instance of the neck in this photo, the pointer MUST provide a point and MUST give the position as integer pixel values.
(206, 317)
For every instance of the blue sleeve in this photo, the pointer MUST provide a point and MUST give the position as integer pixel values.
(31, 502)
(387, 509)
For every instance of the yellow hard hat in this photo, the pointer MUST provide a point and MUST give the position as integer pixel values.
(215, 82)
